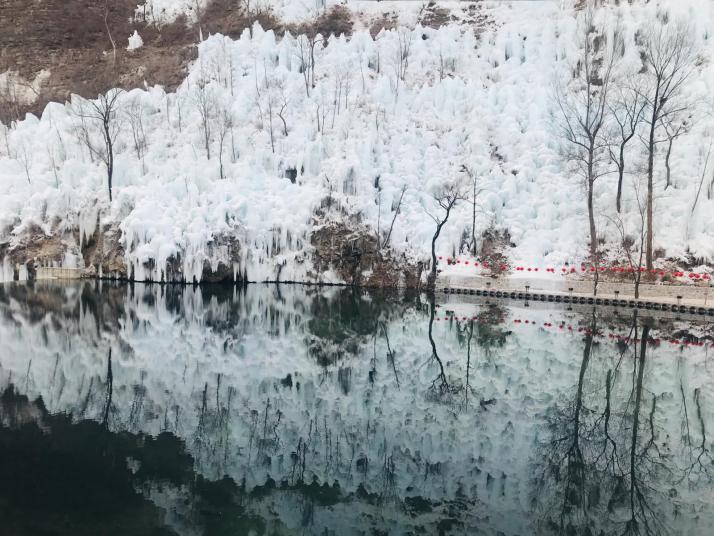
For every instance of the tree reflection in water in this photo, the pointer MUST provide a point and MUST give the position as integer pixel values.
(292, 411)
(609, 466)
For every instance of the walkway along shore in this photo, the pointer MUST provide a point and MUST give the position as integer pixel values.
(692, 298)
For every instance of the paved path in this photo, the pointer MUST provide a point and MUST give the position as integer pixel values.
(692, 298)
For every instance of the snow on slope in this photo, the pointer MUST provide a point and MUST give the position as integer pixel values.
(483, 101)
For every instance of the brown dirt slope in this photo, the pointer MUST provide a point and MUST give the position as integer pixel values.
(69, 38)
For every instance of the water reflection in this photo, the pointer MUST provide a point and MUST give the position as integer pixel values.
(303, 411)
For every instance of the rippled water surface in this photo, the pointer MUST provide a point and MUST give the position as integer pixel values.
(287, 410)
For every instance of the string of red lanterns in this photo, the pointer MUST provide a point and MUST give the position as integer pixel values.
(562, 327)
(584, 269)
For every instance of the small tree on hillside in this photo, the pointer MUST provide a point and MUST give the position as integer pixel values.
(583, 112)
(109, 32)
(474, 192)
(626, 111)
(634, 257)
(103, 113)
(673, 128)
(306, 43)
(446, 199)
(205, 102)
(225, 128)
(24, 155)
(134, 114)
(669, 57)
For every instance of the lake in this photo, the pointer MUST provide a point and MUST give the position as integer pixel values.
(147, 409)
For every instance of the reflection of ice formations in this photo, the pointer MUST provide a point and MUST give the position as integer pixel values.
(292, 385)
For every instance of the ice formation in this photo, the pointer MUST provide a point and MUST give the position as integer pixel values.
(477, 99)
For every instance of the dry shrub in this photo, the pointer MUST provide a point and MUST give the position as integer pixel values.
(336, 21)
(228, 17)
(494, 242)
(383, 23)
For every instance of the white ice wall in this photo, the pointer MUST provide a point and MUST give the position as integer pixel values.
(492, 111)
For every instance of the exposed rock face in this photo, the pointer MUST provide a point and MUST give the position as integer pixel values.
(346, 248)
(35, 249)
(104, 255)
(225, 248)
(350, 249)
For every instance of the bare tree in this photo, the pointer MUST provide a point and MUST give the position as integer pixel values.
(264, 98)
(704, 173)
(282, 106)
(272, 103)
(626, 112)
(134, 114)
(55, 151)
(396, 209)
(628, 243)
(669, 56)
(6, 138)
(104, 113)
(24, 155)
(306, 43)
(10, 102)
(672, 130)
(109, 32)
(583, 113)
(225, 128)
(446, 199)
(401, 58)
(475, 192)
(198, 9)
(205, 102)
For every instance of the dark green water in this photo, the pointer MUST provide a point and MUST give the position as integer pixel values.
(135, 410)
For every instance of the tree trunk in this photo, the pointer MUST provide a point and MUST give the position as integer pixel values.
(620, 174)
(636, 421)
(591, 219)
(431, 281)
(206, 140)
(650, 179)
(473, 221)
(110, 156)
(666, 162)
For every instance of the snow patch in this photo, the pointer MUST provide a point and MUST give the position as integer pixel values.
(135, 41)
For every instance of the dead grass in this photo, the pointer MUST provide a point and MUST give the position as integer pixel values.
(385, 22)
(336, 21)
(69, 39)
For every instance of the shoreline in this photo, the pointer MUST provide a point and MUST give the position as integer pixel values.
(679, 298)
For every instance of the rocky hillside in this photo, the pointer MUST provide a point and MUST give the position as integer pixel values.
(318, 146)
